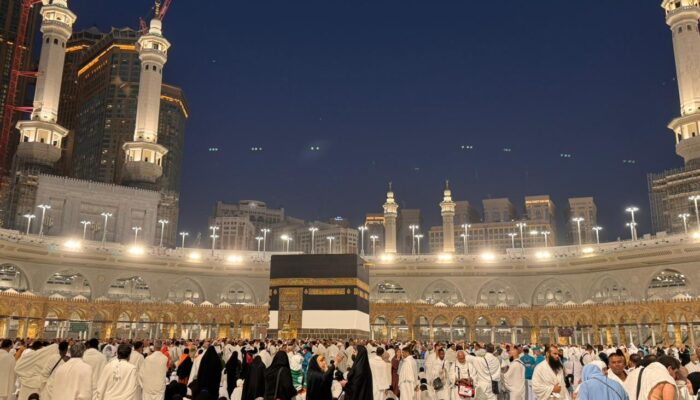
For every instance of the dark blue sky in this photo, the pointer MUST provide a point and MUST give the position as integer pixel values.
(390, 89)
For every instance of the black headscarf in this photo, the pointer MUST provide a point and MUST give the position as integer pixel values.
(233, 367)
(278, 379)
(694, 378)
(359, 386)
(319, 382)
(254, 384)
(209, 373)
(184, 369)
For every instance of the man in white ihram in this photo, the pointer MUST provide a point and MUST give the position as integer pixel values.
(152, 374)
(32, 372)
(119, 379)
(438, 368)
(7, 371)
(408, 375)
(487, 369)
(514, 378)
(73, 379)
(95, 359)
(548, 377)
(462, 372)
(381, 374)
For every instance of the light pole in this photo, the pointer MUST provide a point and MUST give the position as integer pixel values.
(362, 230)
(259, 239)
(85, 225)
(521, 226)
(597, 230)
(213, 237)
(286, 238)
(512, 239)
(466, 237)
(330, 244)
(578, 221)
(418, 238)
(136, 230)
(695, 200)
(29, 218)
(413, 229)
(313, 231)
(374, 238)
(264, 231)
(546, 236)
(684, 217)
(633, 225)
(43, 207)
(162, 223)
(104, 227)
(184, 234)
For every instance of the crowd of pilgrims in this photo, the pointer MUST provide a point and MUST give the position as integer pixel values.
(349, 370)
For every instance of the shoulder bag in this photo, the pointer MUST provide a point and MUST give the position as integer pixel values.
(494, 384)
(438, 383)
(465, 391)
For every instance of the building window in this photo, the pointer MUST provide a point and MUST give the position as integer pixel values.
(55, 41)
(680, 29)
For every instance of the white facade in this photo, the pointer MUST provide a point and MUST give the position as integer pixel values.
(73, 201)
(390, 215)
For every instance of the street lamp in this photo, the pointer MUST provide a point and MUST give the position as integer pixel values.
(43, 207)
(313, 231)
(264, 231)
(374, 238)
(330, 244)
(213, 237)
(695, 200)
(162, 223)
(29, 218)
(418, 238)
(104, 228)
(259, 239)
(546, 236)
(466, 237)
(413, 229)
(633, 224)
(85, 225)
(512, 238)
(286, 238)
(362, 230)
(578, 221)
(184, 234)
(597, 230)
(685, 217)
(136, 230)
(521, 226)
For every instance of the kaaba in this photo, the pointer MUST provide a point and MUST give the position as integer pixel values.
(319, 296)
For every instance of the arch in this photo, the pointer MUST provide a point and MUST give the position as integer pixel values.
(607, 289)
(238, 293)
(668, 284)
(389, 291)
(186, 289)
(441, 291)
(498, 293)
(13, 277)
(67, 283)
(132, 287)
(552, 292)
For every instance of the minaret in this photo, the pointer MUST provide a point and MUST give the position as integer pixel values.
(447, 210)
(144, 156)
(41, 136)
(390, 214)
(682, 16)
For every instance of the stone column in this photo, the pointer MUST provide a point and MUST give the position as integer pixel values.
(608, 335)
(678, 338)
(472, 333)
(691, 334)
(622, 335)
(664, 334)
(640, 339)
(493, 334)
(596, 334)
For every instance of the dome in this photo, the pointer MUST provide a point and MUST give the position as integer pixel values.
(80, 297)
(56, 296)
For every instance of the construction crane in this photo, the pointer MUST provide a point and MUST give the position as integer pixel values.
(15, 73)
(159, 12)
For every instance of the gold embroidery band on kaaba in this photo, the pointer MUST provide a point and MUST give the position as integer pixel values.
(311, 282)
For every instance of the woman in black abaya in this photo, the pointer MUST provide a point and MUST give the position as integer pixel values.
(319, 378)
(254, 384)
(359, 385)
(278, 379)
(233, 368)
(209, 373)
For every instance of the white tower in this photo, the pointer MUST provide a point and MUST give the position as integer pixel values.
(682, 16)
(447, 210)
(144, 156)
(41, 136)
(390, 214)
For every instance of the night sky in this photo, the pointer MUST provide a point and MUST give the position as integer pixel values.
(390, 91)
